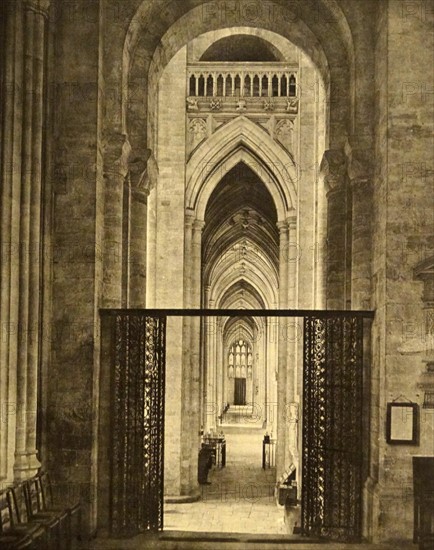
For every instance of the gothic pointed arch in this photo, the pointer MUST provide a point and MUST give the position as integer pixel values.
(241, 140)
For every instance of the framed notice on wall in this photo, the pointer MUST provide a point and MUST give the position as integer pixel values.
(402, 423)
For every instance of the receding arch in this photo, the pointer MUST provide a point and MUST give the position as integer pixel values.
(231, 294)
(244, 141)
(265, 284)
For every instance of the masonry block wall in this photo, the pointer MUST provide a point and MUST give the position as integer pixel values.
(403, 236)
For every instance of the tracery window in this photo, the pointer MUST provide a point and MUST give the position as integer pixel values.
(240, 360)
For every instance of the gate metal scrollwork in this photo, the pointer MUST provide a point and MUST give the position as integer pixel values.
(137, 423)
(332, 427)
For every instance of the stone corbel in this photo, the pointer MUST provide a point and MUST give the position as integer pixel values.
(333, 169)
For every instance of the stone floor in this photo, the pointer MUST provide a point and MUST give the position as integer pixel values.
(240, 498)
(238, 511)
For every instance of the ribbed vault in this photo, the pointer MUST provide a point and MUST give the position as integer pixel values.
(240, 245)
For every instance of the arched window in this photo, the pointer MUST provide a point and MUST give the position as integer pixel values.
(240, 360)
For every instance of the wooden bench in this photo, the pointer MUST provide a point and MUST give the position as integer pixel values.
(46, 503)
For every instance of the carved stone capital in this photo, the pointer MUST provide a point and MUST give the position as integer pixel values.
(282, 226)
(117, 151)
(198, 225)
(38, 6)
(189, 218)
(291, 221)
(333, 169)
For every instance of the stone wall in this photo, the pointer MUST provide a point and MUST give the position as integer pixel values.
(72, 385)
(403, 236)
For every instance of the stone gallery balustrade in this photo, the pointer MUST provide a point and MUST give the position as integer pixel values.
(242, 87)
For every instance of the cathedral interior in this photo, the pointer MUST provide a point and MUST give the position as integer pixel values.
(217, 271)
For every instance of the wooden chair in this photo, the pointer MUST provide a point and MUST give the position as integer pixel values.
(47, 528)
(14, 536)
(48, 503)
(58, 520)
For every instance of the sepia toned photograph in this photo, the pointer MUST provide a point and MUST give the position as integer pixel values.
(216, 274)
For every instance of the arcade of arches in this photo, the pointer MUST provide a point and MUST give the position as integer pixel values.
(219, 154)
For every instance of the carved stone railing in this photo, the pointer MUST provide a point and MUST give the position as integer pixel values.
(242, 87)
(241, 80)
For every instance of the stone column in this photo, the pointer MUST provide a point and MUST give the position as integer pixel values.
(292, 334)
(138, 224)
(293, 259)
(186, 442)
(211, 407)
(282, 351)
(220, 366)
(195, 358)
(361, 244)
(143, 177)
(116, 156)
(333, 168)
(360, 177)
(35, 21)
(9, 230)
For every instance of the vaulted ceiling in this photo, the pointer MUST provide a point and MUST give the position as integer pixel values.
(240, 245)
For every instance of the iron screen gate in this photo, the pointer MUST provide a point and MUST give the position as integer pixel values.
(332, 427)
(137, 424)
(332, 454)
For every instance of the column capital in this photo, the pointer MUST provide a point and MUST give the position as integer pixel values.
(117, 151)
(198, 225)
(282, 226)
(38, 6)
(189, 217)
(333, 169)
(291, 221)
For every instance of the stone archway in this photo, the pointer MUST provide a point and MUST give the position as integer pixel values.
(335, 62)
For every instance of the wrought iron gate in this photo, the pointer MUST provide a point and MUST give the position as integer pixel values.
(137, 424)
(332, 427)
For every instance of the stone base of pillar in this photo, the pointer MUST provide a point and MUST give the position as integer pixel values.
(26, 466)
